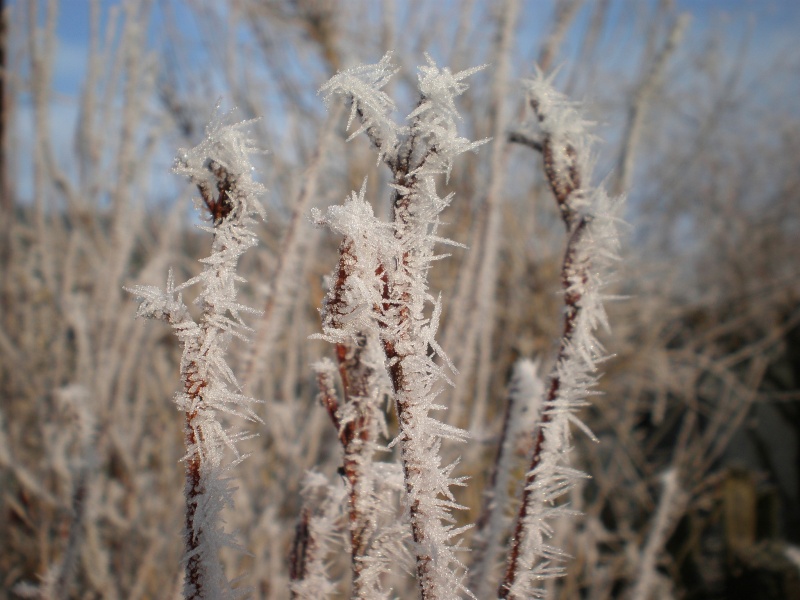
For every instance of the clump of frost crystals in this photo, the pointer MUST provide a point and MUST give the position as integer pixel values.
(416, 154)
(591, 220)
(220, 167)
(436, 119)
(368, 243)
(372, 106)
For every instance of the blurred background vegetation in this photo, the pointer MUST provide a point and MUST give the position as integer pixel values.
(696, 107)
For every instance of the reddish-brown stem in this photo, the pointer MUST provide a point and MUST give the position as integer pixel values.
(194, 489)
(564, 181)
(395, 295)
(194, 387)
(410, 472)
(356, 435)
(327, 397)
(354, 381)
(220, 205)
(397, 323)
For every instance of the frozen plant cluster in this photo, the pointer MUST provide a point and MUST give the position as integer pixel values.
(383, 280)
(376, 538)
(382, 320)
(119, 436)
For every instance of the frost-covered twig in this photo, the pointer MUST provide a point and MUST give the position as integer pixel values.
(221, 169)
(589, 217)
(373, 107)
(349, 322)
(416, 155)
(525, 396)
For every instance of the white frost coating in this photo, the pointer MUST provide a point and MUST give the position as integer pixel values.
(368, 244)
(409, 336)
(389, 549)
(350, 321)
(560, 117)
(591, 218)
(435, 118)
(221, 168)
(416, 154)
(362, 85)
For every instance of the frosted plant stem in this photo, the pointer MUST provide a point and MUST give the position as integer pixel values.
(195, 484)
(304, 550)
(358, 439)
(357, 434)
(315, 537)
(416, 155)
(591, 243)
(569, 271)
(348, 322)
(563, 183)
(406, 400)
(407, 354)
(220, 168)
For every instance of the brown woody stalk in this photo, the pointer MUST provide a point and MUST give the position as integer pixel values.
(358, 433)
(193, 491)
(220, 169)
(396, 298)
(219, 207)
(564, 178)
(416, 154)
(399, 299)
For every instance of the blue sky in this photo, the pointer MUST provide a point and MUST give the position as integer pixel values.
(773, 24)
(772, 27)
